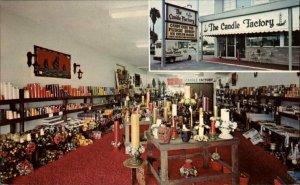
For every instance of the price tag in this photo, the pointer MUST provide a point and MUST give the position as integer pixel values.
(60, 113)
(51, 115)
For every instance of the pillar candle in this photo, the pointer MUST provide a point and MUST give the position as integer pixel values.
(187, 92)
(215, 111)
(213, 127)
(174, 110)
(151, 107)
(28, 138)
(204, 103)
(154, 115)
(42, 132)
(225, 115)
(143, 100)
(201, 125)
(148, 98)
(169, 105)
(135, 130)
(116, 131)
(166, 114)
(165, 102)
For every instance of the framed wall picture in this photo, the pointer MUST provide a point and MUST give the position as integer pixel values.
(52, 63)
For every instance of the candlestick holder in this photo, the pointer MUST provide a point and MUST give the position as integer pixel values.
(135, 154)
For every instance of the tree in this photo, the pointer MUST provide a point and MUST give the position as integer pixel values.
(153, 36)
(154, 14)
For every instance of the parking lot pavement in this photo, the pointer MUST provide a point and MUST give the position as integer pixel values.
(192, 65)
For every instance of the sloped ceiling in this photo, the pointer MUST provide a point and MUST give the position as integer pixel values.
(89, 22)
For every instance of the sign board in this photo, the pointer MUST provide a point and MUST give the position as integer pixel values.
(199, 80)
(180, 31)
(272, 21)
(180, 15)
(175, 82)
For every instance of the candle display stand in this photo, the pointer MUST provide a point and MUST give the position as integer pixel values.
(135, 153)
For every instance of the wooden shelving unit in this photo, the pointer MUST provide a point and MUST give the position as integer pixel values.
(22, 101)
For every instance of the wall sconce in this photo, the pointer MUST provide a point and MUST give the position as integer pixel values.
(255, 74)
(75, 66)
(29, 61)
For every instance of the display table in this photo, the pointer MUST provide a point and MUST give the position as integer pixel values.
(179, 145)
(127, 130)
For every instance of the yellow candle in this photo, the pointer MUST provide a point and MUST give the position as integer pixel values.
(148, 98)
(143, 100)
(169, 105)
(166, 114)
(135, 130)
(154, 115)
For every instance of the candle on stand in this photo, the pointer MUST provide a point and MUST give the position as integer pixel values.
(165, 101)
(168, 105)
(191, 111)
(42, 132)
(28, 137)
(215, 111)
(143, 100)
(148, 98)
(116, 131)
(213, 127)
(154, 114)
(201, 123)
(166, 114)
(187, 92)
(225, 115)
(135, 130)
(174, 110)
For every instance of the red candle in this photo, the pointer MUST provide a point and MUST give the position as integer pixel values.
(213, 127)
(151, 107)
(116, 131)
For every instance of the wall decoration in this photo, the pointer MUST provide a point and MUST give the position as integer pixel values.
(52, 63)
(122, 78)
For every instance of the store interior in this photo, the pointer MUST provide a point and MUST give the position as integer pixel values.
(107, 119)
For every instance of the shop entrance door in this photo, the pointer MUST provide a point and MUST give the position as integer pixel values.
(222, 46)
(240, 46)
(230, 46)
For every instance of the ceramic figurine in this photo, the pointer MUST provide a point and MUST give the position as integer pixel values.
(188, 169)
(164, 134)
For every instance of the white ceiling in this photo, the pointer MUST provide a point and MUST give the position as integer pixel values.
(89, 22)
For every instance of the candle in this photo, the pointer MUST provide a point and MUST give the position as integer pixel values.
(165, 102)
(42, 132)
(168, 105)
(225, 115)
(151, 107)
(166, 114)
(213, 127)
(28, 137)
(143, 100)
(116, 131)
(191, 111)
(148, 98)
(154, 114)
(135, 130)
(174, 110)
(187, 92)
(215, 111)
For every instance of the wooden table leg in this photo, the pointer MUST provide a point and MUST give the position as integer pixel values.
(149, 151)
(164, 166)
(235, 164)
(205, 157)
(133, 176)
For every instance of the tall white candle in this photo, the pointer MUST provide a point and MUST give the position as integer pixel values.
(225, 115)
(143, 100)
(174, 110)
(135, 130)
(187, 92)
(166, 114)
(191, 111)
(154, 115)
(215, 111)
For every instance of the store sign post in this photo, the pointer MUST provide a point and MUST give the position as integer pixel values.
(180, 23)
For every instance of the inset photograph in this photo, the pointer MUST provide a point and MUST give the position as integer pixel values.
(228, 35)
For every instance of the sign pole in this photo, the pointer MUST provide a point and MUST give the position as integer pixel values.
(290, 27)
(163, 38)
(201, 40)
(197, 32)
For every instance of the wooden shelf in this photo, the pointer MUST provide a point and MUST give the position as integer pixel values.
(40, 116)
(10, 121)
(75, 110)
(7, 102)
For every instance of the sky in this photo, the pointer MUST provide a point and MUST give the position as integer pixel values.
(206, 7)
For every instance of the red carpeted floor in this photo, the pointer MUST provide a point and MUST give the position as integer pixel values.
(98, 164)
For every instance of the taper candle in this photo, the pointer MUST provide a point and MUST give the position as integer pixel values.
(154, 114)
(166, 114)
(143, 100)
(135, 130)
(28, 137)
(151, 107)
(215, 111)
(174, 110)
(148, 98)
(187, 92)
(116, 131)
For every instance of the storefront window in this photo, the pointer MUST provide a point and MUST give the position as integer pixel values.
(266, 39)
(295, 39)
